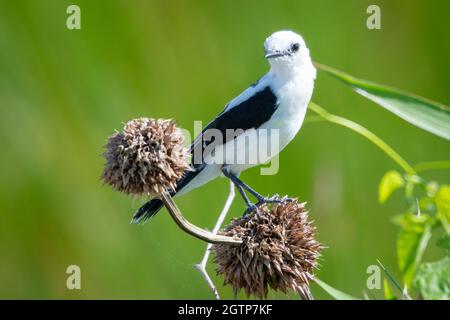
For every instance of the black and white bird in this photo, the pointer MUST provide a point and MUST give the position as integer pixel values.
(277, 101)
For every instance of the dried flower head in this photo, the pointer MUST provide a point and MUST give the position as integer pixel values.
(279, 250)
(147, 157)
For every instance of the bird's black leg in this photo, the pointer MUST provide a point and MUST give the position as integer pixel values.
(238, 183)
(247, 201)
(242, 185)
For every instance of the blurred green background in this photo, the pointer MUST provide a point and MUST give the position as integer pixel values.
(62, 92)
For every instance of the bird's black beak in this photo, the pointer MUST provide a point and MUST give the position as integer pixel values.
(276, 54)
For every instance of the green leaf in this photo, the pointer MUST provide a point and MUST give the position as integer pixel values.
(443, 206)
(412, 222)
(444, 243)
(433, 280)
(432, 189)
(388, 293)
(336, 294)
(411, 245)
(390, 182)
(403, 291)
(423, 113)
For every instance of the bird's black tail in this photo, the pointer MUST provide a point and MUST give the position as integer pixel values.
(148, 210)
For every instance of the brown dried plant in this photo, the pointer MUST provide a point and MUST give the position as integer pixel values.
(146, 158)
(279, 250)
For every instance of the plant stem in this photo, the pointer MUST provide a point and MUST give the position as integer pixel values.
(365, 133)
(202, 265)
(432, 165)
(191, 229)
(395, 282)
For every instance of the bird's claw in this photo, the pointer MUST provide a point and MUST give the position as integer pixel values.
(250, 209)
(263, 200)
(274, 199)
(287, 199)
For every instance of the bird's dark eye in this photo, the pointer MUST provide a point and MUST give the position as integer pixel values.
(295, 47)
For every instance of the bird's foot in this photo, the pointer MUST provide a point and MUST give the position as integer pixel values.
(274, 199)
(266, 200)
(250, 209)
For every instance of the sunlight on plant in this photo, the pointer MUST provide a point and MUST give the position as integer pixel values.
(427, 202)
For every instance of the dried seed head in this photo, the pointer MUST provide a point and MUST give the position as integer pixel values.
(147, 157)
(279, 250)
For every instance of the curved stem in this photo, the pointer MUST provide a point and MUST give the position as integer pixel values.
(202, 265)
(192, 229)
(432, 165)
(365, 133)
(313, 118)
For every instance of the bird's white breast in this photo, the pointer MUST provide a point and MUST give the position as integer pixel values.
(293, 97)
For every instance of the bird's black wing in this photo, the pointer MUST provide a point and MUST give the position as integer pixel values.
(251, 113)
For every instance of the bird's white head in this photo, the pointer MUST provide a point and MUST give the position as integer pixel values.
(287, 53)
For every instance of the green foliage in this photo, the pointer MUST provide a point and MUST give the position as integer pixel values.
(443, 206)
(388, 293)
(403, 290)
(444, 243)
(390, 182)
(428, 203)
(411, 245)
(425, 114)
(335, 293)
(433, 279)
(428, 212)
(359, 129)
